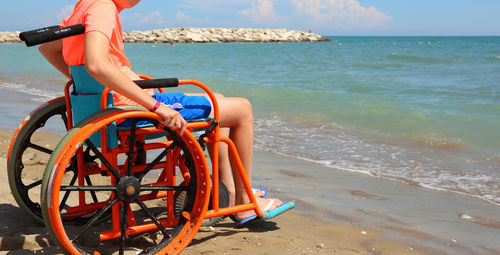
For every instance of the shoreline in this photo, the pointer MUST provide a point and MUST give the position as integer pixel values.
(290, 233)
(203, 35)
(439, 222)
(336, 213)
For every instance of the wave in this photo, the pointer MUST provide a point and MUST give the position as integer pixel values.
(378, 66)
(417, 59)
(427, 162)
(494, 58)
(493, 158)
(470, 185)
(435, 142)
(40, 95)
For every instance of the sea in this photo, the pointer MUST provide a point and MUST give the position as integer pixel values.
(418, 110)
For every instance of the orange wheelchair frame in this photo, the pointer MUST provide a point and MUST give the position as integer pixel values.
(88, 183)
(70, 149)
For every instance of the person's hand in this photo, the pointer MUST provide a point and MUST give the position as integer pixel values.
(171, 119)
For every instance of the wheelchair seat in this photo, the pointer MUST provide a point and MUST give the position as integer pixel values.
(86, 100)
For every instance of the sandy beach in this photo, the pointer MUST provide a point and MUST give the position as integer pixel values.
(336, 213)
(379, 121)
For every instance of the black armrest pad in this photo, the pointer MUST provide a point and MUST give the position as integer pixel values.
(158, 83)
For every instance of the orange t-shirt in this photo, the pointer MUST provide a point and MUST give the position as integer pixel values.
(101, 16)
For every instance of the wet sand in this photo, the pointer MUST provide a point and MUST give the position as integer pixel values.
(336, 213)
(435, 221)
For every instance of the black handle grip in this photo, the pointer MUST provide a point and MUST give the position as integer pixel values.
(158, 83)
(23, 35)
(49, 34)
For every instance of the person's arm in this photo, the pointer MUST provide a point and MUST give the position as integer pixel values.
(98, 65)
(52, 51)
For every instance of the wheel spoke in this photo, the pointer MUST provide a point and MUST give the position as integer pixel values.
(34, 184)
(64, 117)
(66, 195)
(103, 159)
(40, 148)
(150, 215)
(95, 218)
(155, 161)
(124, 224)
(164, 188)
(131, 148)
(88, 188)
(92, 192)
(87, 157)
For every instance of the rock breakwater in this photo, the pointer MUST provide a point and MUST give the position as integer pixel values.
(9, 37)
(204, 35)
(212, 35)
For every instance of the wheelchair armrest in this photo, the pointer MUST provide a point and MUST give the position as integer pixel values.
(158, 83)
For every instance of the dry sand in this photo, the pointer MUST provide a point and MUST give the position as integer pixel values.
(290, 233)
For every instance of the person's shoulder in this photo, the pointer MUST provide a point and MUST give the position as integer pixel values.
(106, 4)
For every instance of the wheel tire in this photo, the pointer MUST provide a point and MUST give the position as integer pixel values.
(19, 145)
(223, 203)
(175, 238)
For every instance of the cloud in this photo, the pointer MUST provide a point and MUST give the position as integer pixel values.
(323, 16)
(186, 19)
(262, 12)
(182, 17)
(153, 18)
(340, 13)
(65, 12)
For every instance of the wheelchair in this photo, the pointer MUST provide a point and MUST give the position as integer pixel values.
(118, 181)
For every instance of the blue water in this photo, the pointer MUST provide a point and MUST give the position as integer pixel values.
(422, 110)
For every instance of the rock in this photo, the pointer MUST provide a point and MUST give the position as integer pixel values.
(9, 37)
(204, 35)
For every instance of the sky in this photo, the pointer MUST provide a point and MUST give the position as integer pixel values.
(325, 17)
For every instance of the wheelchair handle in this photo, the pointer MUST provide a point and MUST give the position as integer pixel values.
(158, 83)
(25, 34)
(48, 34)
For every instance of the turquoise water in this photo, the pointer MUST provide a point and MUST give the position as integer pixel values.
(422, 110)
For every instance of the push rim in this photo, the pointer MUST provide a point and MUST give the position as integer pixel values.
(176, 237)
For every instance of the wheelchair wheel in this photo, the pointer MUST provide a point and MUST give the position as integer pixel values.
(143, 218)
(223, 203)
(27, 154)
(180, 203)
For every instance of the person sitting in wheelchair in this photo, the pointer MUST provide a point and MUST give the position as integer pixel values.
(101, 51)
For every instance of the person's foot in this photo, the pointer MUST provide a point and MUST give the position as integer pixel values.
(256, 192)
(265, 204)
(259, 192)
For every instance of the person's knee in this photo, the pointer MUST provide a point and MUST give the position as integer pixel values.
(246, 107)
(218, 95)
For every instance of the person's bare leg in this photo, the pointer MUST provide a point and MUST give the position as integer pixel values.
(236, 113)
(225, 169)
(225, 173)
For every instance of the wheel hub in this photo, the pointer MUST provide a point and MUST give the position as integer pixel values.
(128, 188)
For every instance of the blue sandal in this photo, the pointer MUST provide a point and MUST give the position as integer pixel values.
(267, 214)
